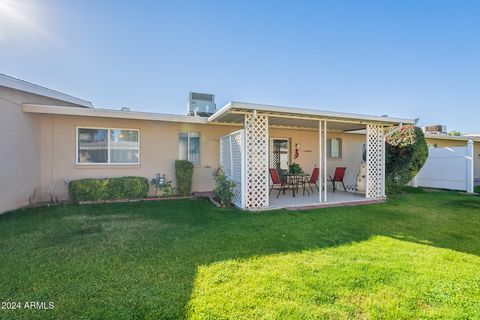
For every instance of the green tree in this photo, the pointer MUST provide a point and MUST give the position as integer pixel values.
(406, 153)
(454, 133)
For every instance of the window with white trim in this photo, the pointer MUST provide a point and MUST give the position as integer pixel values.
(334, 148)
(108, 146)
(189, 147)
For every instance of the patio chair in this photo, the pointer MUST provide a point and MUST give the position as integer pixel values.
(313, 179)
(276, 181)
(338, 177)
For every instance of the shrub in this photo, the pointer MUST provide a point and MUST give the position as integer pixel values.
(183, 174)
(128, 187)
(108, 189)
(223, 188)
(405, 154)
(88, 189)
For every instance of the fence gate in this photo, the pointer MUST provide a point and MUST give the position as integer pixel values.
(232, 153)
(448, 168)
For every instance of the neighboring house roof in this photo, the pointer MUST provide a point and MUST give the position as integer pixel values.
(109, 113)
(289, 116)
(447, 137)
(17, 84)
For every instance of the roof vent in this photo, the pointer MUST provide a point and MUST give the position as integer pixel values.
(201, 104)
(125, 109)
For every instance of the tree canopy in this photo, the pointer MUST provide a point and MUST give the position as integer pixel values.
(405, 154)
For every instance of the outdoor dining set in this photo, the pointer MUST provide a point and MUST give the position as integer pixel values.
(294, 180)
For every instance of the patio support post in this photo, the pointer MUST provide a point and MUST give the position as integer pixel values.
(383, 163)
(256, 168)
(325, 160)
(320, 160)
(375, 182)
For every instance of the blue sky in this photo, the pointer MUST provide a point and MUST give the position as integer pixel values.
(401, 58)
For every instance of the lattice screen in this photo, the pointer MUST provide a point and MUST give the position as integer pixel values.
(231, 160)
(256, 133)
(375, 161)
(237, 163)
(225, 155)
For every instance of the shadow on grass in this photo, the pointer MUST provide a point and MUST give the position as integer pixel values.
(139, 260)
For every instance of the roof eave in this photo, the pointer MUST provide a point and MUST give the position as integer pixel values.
(109, 113)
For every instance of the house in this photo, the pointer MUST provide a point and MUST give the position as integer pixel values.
(49, 138)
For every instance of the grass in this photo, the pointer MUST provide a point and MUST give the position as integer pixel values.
(416, 256)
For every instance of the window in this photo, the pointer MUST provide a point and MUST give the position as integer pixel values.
(189, 147)
(108, 146)
(334, 148)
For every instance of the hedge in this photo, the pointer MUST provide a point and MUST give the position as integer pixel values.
(183, 174)
(108, 189)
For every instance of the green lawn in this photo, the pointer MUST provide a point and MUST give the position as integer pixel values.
(416, 256)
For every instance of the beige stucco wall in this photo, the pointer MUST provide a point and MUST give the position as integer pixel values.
(20, 149)
(158, 151)
(442, 143)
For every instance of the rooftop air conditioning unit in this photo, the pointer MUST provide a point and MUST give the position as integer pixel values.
(436, 129)
(201, 104)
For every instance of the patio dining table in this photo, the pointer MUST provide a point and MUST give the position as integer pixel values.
(296, 179)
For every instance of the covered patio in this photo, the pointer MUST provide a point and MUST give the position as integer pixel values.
(274, 137)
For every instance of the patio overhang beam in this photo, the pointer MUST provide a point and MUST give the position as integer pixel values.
(352, 130)
(354, 121)
(276, 126)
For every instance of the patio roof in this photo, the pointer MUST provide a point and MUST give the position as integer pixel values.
(281, 116)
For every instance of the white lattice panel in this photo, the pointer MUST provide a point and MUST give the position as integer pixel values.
(256, 147)
(232, 160)
(237, 153)
(225, 158)
(375, 161)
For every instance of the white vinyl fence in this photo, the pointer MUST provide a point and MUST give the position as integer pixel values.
(448, 168)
